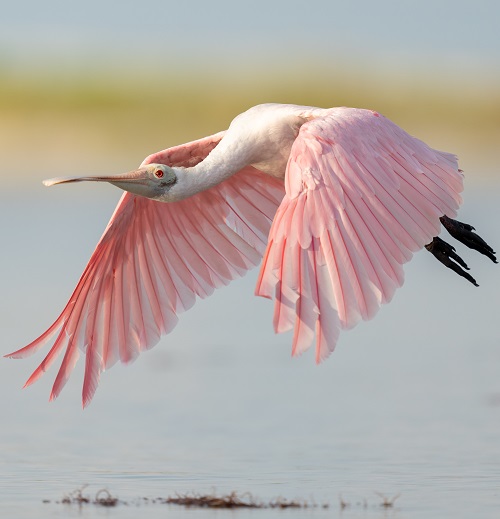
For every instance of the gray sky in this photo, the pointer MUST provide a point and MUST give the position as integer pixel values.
(443, 33)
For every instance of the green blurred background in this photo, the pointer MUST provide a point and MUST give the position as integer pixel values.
(97, 86)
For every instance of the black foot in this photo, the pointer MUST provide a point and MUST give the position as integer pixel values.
(446, 254)
(464, 233)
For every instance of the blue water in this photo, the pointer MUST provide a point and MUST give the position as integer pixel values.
(408, 404)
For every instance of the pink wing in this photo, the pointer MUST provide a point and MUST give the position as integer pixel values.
(152, 261)
(361, 196)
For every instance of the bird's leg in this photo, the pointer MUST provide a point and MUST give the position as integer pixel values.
(463, 232)
(446, 254)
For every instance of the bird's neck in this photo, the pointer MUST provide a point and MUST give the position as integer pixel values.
(223, 162)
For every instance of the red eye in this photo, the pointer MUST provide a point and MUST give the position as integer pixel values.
(159, 173)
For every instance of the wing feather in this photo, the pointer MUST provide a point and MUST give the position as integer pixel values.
(361, 197)
(151, 264)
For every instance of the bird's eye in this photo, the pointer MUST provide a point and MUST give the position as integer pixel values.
(159, 173)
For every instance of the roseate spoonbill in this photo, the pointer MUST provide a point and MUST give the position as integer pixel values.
(334, 200)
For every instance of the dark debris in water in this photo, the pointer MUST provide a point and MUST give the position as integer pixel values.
(232, 500)
(387, 502)
(102, 498)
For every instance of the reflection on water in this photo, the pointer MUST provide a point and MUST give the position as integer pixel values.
(407, 403)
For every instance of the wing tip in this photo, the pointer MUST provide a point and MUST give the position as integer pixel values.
(88, 391)
(30, 381)
(86, 399)
(21, 353)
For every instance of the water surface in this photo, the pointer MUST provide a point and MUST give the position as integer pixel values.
(409, 403)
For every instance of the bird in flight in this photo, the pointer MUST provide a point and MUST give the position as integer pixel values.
(332, 201)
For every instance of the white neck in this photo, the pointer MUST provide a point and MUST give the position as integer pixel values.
(261, 136)
(223, 162)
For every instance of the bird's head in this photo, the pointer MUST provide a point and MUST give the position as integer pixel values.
(150, 180)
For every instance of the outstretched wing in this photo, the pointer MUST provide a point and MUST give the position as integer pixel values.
(152, 261)
(361, 196)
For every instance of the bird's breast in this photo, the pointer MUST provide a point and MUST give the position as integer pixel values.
(275, 167)
(275, 143)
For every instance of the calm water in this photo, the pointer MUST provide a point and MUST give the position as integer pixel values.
(409, 403)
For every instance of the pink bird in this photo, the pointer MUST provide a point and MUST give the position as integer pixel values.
(334, 200)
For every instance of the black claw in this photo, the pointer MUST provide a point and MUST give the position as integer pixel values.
(463, 232)
(446, 254)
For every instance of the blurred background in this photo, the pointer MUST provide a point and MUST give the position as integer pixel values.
(97, 86)
(405, 403)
